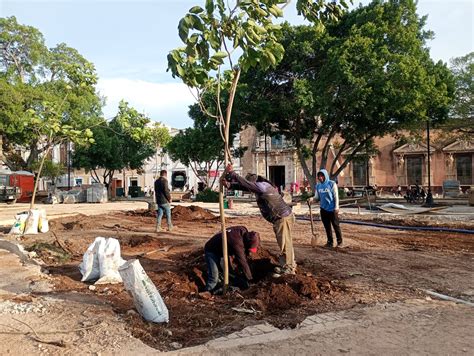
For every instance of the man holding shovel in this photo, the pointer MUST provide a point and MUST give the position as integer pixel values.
(274, 210)
(327, 194)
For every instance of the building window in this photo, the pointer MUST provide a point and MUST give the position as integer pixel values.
(464, 169)
(133, 182)
(277, 142)
(359, 173)
(78, 181)
(414, 170)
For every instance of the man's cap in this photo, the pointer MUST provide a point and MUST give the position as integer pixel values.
(252, 240)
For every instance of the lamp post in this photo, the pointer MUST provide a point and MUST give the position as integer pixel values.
(429, 197)
(68, 165)
(266, 153)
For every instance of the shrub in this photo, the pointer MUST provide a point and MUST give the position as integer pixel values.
(208, 196)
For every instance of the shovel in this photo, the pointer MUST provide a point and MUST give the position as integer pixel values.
(315, 235)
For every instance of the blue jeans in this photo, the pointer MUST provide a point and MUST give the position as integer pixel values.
(212, 261)
(167, 209)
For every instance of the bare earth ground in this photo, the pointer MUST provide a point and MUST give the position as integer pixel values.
(377, 267)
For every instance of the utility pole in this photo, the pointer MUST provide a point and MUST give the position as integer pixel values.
(429, 197)
(266, 153)
(68, 165)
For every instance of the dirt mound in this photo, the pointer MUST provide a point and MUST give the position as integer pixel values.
(137, 240)
(77, 222)
(141, 212)
(193, 212)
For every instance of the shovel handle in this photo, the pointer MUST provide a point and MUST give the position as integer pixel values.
(311, 219)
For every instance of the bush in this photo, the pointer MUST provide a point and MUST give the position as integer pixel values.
(342, 193)
(208, 196)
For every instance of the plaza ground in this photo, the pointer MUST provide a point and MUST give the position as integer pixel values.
(367, 298)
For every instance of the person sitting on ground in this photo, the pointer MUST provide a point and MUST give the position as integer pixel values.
(327, 194)
(273, 209)
(240, 242)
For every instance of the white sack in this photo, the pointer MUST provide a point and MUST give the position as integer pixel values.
(32, 222)
(19, 224)
(89, 267)
(43, 224)
(146, 297)
(109, 263)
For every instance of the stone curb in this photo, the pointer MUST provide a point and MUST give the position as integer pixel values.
(264, 333)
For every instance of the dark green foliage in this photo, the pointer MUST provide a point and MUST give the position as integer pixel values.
(208, 196)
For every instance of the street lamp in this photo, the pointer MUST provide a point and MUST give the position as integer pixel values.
(429, 197)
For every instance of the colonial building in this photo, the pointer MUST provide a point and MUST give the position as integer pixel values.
(393, 165)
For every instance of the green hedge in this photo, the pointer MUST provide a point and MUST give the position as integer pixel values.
(208, 196)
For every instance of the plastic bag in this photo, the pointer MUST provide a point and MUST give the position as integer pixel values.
(19, 224)
(31, 225)
(89, 267)
(109, 262)
(146, 297)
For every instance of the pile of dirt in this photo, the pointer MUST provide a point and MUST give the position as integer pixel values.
(142, 212)
(137, 240)
(193, 212)
(77, 222)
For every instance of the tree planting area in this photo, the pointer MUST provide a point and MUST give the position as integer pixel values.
(378, 267)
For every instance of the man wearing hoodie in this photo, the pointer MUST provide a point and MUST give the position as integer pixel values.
(327, 194)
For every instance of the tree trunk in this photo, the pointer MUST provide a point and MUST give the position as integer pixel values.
(32, 204)
(307, 173)
(221, 186)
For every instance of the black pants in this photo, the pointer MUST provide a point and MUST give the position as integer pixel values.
(331, 218)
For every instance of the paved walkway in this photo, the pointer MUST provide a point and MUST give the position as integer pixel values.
(415, 327)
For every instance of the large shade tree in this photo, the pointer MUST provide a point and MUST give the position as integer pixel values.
(337, 88)
(33, 77)
(125, 142)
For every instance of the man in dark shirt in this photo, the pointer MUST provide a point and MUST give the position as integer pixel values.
(163, 199)
(274, 210)
(240, 242)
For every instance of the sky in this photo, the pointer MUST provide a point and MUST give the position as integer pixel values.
(128, 41)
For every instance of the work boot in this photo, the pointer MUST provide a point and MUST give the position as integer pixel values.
(340, 244)
(282, 271)
(171, 228)
(328, 245)
(158, 228)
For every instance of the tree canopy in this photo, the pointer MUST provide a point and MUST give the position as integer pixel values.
(462, 113)
(33, 77)
(125, 142)
(367, 75)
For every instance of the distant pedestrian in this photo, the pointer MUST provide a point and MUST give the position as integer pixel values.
(326, 193)
(163, 200)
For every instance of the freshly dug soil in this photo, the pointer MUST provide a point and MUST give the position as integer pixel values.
(193, 212)
(378, 266)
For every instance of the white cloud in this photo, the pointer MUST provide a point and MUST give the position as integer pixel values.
(165, 102)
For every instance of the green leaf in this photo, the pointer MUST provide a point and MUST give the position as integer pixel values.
(220, 54)
(196, 10)
(209, 6)
(183, 29)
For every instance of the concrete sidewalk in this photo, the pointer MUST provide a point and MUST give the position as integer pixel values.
(414, 327)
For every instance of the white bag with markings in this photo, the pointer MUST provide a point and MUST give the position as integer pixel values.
(109, 262)
(89, 267)
(146, 297)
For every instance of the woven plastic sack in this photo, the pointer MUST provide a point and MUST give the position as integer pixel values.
(146, 297)
(89, 267)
